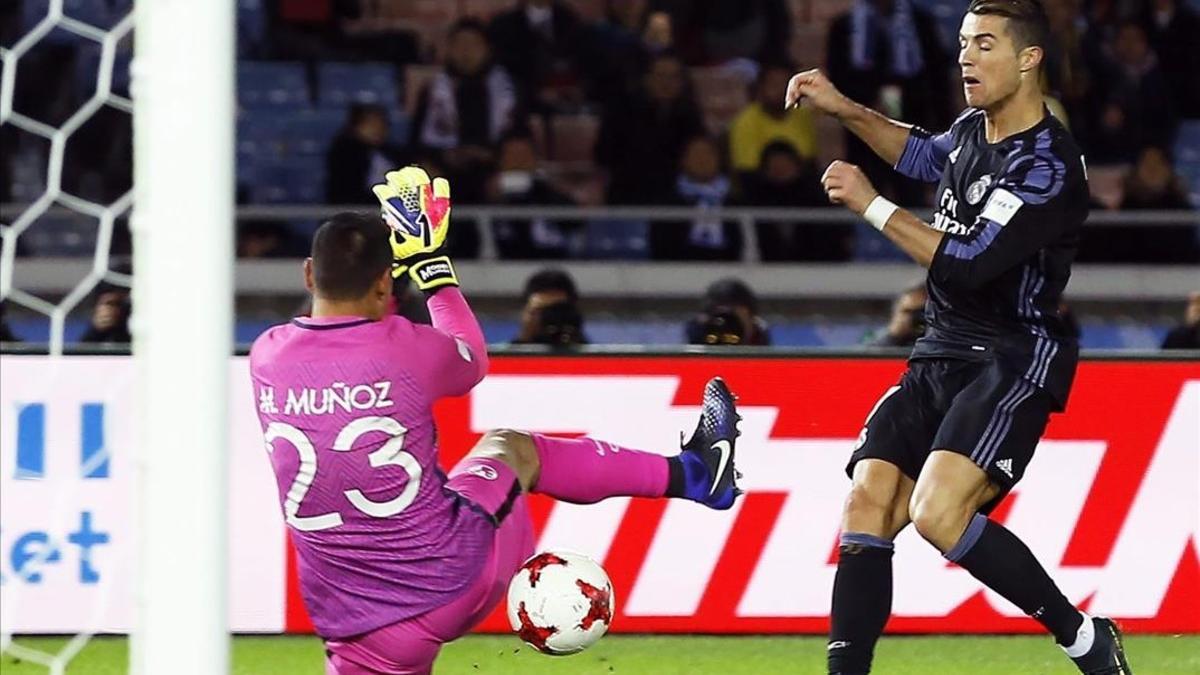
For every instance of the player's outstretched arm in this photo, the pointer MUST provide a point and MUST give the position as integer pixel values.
(847, 185)
(453, 351)
(1025, 212)
(887, 137)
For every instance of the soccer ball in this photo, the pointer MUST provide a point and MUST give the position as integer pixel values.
(560, 602)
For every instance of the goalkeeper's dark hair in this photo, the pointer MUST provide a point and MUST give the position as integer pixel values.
(1028, 24)
(349, 252)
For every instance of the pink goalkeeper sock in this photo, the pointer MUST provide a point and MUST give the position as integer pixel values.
(584, 470)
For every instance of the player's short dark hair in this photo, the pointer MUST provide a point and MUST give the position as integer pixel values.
(551, 280)
(1027, 21)
(349, 253)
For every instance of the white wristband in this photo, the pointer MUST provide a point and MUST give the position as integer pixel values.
(879, 211)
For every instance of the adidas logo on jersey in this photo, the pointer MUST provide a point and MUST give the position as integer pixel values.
(1005, 465)
(954, 155)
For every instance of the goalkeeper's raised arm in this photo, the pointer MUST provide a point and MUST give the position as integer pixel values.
(886, 136)
(417, 210)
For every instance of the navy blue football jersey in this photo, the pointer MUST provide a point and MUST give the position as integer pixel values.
(1012, 213)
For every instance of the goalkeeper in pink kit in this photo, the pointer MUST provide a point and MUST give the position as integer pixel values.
(395, 557)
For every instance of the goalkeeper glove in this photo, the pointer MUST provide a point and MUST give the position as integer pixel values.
(418, 213)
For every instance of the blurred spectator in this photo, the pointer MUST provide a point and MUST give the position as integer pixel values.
(765, 120)
(1187, 334)
(618, 48)
(1066, 75)
(551, 314)
(359, 156)
(267, 239)
(517, 183)
(886, 55)
(465, 110)
(110, 316)
(730, 317)
(374, 30)
(907, 322)
(717, 31)
(642, 136)
(701, 183)
(6, 334)
(1172, 27)
(538, 42)
(1136, 108)
(1151, 185)
(784, 179)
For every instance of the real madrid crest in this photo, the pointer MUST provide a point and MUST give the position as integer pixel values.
(978, 189)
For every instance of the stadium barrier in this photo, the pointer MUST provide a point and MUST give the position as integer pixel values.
(1111, 502)
(613, 277)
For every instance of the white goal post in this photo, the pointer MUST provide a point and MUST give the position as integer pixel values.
(182, 225)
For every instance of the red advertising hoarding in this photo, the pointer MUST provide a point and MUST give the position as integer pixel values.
(1110, 503)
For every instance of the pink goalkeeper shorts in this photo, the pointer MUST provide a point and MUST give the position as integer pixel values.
(409, 647)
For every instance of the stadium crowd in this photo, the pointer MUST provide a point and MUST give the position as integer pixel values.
(635, 102)
(620, 102)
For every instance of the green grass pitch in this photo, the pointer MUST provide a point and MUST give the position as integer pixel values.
(671, 655)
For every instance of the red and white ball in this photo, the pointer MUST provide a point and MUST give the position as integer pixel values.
(560, 602)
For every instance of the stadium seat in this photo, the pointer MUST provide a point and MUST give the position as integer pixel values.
(294, 180)
(304, 182)
(308, 132)
(259, 136)
(344, 83)
(61, 235)
(265, 84)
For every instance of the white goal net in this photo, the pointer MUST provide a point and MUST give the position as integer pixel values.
(73, 485)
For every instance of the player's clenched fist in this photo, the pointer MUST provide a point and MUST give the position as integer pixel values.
(418, 212)
(847, 185)
(814, 87)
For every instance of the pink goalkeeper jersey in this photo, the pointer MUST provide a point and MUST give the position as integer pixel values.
(345, 405)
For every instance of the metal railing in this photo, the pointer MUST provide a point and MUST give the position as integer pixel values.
(490, 276)
(746, 217)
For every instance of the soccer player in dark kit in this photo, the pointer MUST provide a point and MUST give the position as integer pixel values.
(942, 447)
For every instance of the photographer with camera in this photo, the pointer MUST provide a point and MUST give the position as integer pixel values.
(907, 322)
(109, 322)
(730, 317)
(551, 314)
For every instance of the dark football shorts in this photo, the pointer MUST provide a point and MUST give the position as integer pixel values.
(979, 409)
